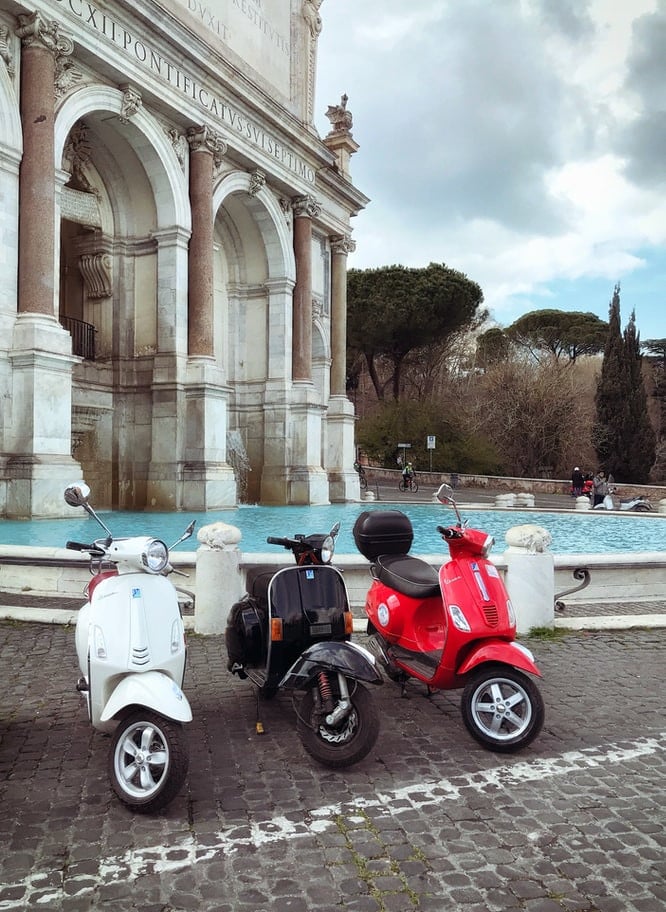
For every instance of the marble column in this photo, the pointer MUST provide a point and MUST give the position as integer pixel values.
(341, 246)
(42, 43)
(305, 209)
(205, 146)
(39, 438)
(207, 480)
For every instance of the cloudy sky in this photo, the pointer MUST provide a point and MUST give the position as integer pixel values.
(522, 142)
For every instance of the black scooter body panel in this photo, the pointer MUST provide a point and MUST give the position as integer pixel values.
(344, 657)
(311, 602)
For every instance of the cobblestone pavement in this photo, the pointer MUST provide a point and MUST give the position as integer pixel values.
(428, 821)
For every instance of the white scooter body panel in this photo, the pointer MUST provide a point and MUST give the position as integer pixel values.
(131, 626)
(152, 689)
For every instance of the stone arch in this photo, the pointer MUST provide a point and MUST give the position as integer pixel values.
(139, 247)
(148, 140)
(253, 313)
(270, 220)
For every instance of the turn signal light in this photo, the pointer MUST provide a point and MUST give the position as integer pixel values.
(349, 622)
(276, 630)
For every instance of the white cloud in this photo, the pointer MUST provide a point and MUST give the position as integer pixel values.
(521, 142)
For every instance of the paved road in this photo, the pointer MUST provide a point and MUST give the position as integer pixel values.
(429, 821)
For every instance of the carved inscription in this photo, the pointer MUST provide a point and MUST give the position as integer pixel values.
(140, 51)
(80, 207)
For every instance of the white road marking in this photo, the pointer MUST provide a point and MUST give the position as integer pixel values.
(186, 852)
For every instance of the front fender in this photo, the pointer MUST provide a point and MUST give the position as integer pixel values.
(349, 659)
(153, 690)
(502, 651)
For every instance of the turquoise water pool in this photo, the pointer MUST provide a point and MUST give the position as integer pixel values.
(586, 532)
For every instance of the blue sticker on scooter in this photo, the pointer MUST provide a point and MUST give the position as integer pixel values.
(136, 593)
(309, 574)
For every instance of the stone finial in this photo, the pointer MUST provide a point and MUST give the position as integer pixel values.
(219, 535)
(341, 119)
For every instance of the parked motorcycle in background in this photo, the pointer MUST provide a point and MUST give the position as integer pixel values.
(130, 643)
(451, 630)
(292, 632)
(638, 504)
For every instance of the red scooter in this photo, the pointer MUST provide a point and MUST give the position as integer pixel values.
(453, 629)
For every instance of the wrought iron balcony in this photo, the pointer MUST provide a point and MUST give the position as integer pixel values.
(83, 337)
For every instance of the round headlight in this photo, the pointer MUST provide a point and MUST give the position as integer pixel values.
(155, 556)
(327, 549)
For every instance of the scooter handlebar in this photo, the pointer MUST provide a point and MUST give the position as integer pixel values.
(285, 542)
(449, 532)
(80, 546)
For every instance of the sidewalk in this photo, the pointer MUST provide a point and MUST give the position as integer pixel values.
(428, 821)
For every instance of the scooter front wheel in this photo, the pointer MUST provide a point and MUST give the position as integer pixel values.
(502, 708)
(346, 742)
(148, 761)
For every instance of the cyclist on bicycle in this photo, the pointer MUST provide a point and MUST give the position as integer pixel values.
(408, 473)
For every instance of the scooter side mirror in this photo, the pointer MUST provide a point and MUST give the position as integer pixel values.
(77, 494)
(334, 531)
(445, 494)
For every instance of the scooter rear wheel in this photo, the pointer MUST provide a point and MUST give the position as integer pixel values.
(148, 761)
(343, 744)
(502, 708)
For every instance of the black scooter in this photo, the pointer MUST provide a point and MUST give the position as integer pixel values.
(292, 631)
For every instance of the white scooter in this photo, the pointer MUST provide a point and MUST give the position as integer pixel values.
(130, 643)
(639, 503)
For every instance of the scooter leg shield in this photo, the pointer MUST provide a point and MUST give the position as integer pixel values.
(506, 653)
(350, 659)
(153, 690)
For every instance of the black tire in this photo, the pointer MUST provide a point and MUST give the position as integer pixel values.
(402, 486)
(642, 508)
(162, 749)
(363, 481)
(343, 745)
(515, 725)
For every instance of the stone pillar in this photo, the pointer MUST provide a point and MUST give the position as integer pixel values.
(207, 480)
(205, 146)
(39, 433)
(305, 209)
(42, 42)
(343, 480)
(341, 246)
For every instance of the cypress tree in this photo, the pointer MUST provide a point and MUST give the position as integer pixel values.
(622, 435)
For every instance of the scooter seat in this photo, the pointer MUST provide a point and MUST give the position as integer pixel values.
(409, 575)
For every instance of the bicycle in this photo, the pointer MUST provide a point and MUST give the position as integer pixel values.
(362, 479)
(408, 484)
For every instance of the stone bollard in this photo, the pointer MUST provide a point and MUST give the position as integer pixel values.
(582, 503)
(219, 579)
(505, 500)
(524, 499)
(368, 495)
(530, 576)
(662, 506)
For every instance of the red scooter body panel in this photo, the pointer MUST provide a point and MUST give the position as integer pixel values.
(426, 633)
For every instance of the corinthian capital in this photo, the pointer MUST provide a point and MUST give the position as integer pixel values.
(305, 207)
(343, 244)
(35, 31)
(203, 139)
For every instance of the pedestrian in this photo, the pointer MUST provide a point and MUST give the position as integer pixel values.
(577, 481)
(600, 484)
